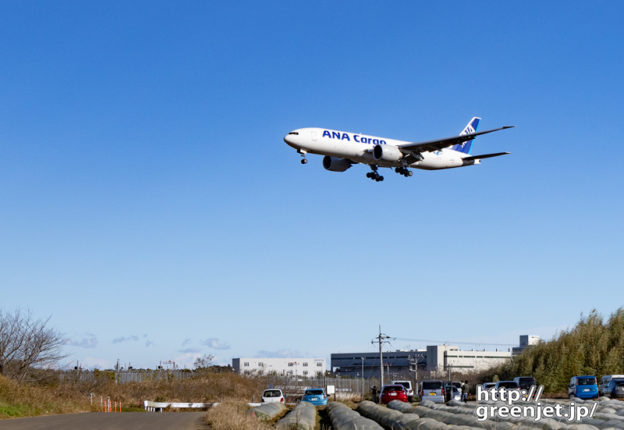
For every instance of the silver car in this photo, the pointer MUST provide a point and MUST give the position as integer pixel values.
(432, 390)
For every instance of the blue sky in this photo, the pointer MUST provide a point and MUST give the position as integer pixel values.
(150, 206)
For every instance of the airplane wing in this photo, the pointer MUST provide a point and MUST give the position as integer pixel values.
(434, 145)
(480, 157)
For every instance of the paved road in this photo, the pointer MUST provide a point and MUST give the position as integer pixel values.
(110, 421)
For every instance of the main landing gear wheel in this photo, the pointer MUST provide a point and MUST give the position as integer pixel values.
(374, 175)
(403, 171)
(304, 161)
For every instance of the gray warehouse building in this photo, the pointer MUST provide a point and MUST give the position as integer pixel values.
(397, 362)
(436, 359)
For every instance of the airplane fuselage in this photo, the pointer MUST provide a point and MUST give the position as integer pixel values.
(358, 147)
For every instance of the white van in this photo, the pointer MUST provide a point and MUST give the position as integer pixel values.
(604, 382)
(408, 388)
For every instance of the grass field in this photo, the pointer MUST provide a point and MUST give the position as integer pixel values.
(233, 415)
(20, 400)
(54, 397)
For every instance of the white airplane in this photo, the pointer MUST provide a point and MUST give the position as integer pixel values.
(342, 149)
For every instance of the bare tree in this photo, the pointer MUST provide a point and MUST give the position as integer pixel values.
(203, 362)
(25, 343)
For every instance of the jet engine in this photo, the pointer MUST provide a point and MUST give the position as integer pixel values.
(387, 153)
(336, 164)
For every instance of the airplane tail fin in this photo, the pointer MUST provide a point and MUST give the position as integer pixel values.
(471, 127)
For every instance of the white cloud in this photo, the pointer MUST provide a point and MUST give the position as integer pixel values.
(89, 340)
(215, 343)
(132, 338)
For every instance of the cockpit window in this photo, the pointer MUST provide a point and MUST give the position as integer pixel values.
(294, 132)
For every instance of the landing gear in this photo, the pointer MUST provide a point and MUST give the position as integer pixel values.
(303, 154)
(403, 171)
(374, 175)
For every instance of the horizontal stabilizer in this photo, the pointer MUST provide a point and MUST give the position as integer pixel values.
(480, 157)
(435, 145)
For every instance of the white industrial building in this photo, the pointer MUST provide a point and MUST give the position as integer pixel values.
(305, 367)
(526, 340)
(444, 358)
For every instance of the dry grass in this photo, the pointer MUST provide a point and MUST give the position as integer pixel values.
(210, 387)
(233, 415)
(51, 396)
(348, 397)
(18, 400)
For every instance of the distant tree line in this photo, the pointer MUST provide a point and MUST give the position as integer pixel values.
(592, 347)
(26, 343)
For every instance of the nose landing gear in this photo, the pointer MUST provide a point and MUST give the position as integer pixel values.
(303, 154)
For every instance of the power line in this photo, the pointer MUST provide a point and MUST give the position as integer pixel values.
(453, 342)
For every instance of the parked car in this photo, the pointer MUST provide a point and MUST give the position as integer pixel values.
(452, 391)
(525, 382)
(615, 389)
(316, 396)
(408, 388)
(583, 387)
(393, 392)
(273, 395)
(604, 382)
(508, 385)
(456, 393)
(432, 390)
(488, 385)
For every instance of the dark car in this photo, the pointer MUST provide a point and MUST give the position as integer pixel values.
(525, 382)
(452, 391)
(393, 392)
(508, 385)
(615, 388)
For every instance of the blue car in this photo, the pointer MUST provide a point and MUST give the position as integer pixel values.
(316, 396)
(583, 387)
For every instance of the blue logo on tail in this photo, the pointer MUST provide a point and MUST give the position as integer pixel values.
(471, 127)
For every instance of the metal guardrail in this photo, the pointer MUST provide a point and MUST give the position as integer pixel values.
(159, 406)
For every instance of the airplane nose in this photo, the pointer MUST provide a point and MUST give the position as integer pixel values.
(289, 139)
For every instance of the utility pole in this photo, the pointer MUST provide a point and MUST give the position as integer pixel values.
(362, 358)
(413, 367)
(380, 339)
